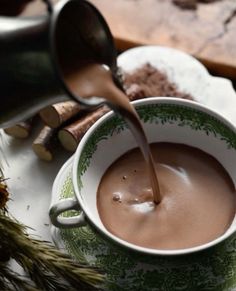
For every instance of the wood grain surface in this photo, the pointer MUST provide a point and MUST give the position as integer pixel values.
(208, 33)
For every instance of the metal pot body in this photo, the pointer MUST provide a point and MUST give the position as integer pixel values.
(34, 50)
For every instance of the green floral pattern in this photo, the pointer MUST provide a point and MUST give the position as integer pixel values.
(212, 270)
(157, 113)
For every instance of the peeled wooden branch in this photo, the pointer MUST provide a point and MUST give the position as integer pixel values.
(71, 135)
(46, 268)
(45, 143)
(57, 114)
(20, 130)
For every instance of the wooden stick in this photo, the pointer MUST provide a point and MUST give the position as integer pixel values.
(71, 135)
(20, 130)
(45, 143)
(55, 115)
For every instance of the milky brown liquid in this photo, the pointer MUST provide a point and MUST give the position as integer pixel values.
(197, 205)
(94, 80)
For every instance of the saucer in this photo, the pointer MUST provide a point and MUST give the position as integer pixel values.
(212, 270)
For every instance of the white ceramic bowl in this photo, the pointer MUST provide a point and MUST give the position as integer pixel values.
(164, 120)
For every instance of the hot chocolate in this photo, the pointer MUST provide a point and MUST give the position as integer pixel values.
(197, 205)
(95, 80)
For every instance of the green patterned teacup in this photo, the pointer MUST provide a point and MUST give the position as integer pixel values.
(211, 266)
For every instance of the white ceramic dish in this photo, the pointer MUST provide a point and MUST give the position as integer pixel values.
(189, 75)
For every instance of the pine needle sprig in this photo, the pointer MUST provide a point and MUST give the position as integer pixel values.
(48, 268)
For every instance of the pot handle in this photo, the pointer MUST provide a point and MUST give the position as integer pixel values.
(66, 222)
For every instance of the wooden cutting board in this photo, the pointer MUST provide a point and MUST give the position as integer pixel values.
(208, 33)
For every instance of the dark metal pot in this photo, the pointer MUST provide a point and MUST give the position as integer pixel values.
(33, 51)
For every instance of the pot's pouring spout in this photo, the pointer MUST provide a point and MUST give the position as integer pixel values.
(34, 53)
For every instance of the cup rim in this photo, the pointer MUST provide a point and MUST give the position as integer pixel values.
(106, 233)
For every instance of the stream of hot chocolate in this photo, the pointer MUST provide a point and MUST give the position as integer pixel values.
(96, 80)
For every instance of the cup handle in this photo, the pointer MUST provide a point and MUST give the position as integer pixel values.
(66, 222)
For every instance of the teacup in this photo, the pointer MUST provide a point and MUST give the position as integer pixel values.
(205, 267)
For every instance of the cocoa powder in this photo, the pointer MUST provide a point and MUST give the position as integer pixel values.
(148, 81)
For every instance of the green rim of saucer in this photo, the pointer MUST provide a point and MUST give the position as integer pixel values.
(211, 270)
